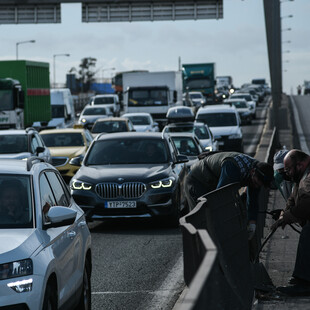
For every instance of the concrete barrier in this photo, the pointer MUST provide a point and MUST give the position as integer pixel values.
(226, 282)
(217, 254)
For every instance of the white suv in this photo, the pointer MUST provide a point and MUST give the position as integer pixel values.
(109, 100)
(225, 124)
(45, 257)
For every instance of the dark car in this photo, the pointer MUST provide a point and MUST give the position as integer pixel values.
(131, 174)
(188, 144)
(180, 114)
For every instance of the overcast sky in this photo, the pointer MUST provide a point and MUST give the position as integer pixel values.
(236, 43)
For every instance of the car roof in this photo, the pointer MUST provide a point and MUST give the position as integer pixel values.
(62, 130)
(132, 134)
(136, 114)
(89, 106)
(234, 100)
(109, 119)
(181, 134)
(13, 132)
(17, 166)
(216, 108)
(105, 95)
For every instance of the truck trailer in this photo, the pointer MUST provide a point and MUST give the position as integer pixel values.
(24, 93)
(200, 77)
(152, 92)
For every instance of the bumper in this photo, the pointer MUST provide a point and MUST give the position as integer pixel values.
(149, 205)
(9, 299)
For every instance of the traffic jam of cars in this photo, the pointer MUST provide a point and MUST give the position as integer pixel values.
(110, 164)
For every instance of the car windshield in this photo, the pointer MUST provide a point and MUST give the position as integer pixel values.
(104, 100)
(13, 144)
(6, 99)
(195, 96)
(95, 111)
(58, 111)
(15, 202)
(200, 131)
(240, 104)
(109, 127)
(127, 151)
(218, 119)
(186, 146)
(140, 120)
(246, 97)
(63, 139)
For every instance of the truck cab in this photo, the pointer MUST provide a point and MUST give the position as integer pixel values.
(62, 106)
(11, 104)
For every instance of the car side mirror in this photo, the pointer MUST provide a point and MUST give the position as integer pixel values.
(40, 149)
(182, 159)
(76, 161)
(58, 216)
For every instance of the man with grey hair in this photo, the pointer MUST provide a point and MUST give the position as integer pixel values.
(297, 168)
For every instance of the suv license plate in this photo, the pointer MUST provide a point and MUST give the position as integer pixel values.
(121, 204)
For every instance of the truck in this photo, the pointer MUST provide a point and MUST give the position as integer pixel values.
(24, 93)
(224, 81)
(152, 92)
(306, 87)
(200, 77)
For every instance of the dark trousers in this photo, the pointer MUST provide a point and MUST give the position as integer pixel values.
(302, 263)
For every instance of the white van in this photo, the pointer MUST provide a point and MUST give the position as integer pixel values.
(63, 112)
(110, 100)
(62, 108)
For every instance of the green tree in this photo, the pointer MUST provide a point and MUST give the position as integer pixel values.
(86, 73)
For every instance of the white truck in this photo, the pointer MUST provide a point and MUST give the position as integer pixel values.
(306, 87)
(152, 92)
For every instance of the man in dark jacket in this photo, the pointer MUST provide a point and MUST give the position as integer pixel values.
(297, 167)
(222, 168)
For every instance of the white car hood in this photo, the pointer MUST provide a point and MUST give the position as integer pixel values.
(224, 131)
(17, 243)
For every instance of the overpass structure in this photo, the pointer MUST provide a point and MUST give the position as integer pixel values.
(49, 11)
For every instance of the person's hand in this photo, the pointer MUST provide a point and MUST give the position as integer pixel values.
(288, 218)
(285, 218)
(251, 230)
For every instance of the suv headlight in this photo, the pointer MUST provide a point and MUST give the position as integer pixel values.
(163, 183)
(76, 184)
(235, 136)
(16, 269)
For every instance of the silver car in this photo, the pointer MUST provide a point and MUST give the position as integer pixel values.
(45, 243)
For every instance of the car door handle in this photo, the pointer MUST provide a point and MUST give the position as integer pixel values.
(71, 234)
(82, 224)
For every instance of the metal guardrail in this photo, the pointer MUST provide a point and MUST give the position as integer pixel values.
(217, 267)
(228, 283)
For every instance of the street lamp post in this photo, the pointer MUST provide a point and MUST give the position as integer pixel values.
(54, 66)
(22, 42)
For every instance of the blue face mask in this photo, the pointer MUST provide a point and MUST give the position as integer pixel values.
(278, 178)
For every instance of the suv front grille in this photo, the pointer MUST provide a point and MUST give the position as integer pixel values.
(126, 190)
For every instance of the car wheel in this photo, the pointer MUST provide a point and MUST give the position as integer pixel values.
(50, 298)
(85, 299)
